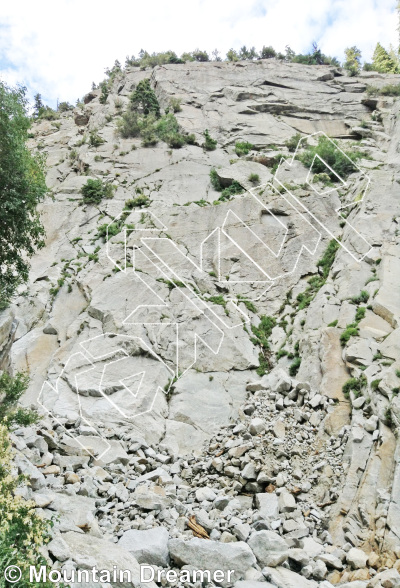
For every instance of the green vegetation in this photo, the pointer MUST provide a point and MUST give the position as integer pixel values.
(351, 330)
(388, 90)
(354, 385)
(243, 148)
(292, 143)
(362, 297)
(360, 314)
(384, 61)
(322, 178)
(353, 60)
(389, 417)
(248, 304)
(146, 59)
(215, 180)
(315, 283)
(22, 187)
(140, 200)
(144, 99)
(94, 139)
(261, 338)
(375, 384)
(143, 119)
(209, 143)
(294, 366)
(342, 162)
(22, 531)
(333, 323)
(95, 190)
(175, 104)
(226, 193)
(11, 390)
(167, 129)
(254, 178)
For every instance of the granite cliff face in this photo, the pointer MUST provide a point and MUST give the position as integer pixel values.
(147, 343)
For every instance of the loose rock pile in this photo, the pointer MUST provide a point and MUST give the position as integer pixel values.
(256, 501)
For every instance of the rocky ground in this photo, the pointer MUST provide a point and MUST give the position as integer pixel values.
(285, 477)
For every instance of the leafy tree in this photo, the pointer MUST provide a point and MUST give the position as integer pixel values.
(232, 55)
(22, 187)
(11, 390)
(144, 97)
(200, 55)
(248, 54)
(353, 60)
(290, 54)
(65, 107)
(383, 61)
(267, 52)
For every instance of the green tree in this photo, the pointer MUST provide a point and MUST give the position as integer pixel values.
(22, 187)
(248, 54)
(267, 52)
(144, 97)
(199, 55)
(383, 61)
(232, 55)
(38, 104)
(353, 60)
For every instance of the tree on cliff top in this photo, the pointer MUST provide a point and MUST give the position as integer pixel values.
(22, 187)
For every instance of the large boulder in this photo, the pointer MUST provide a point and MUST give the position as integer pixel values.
(104, 556)
(148, 547)
(269, 548)
(212, 556)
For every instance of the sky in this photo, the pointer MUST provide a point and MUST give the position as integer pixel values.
(59, 48)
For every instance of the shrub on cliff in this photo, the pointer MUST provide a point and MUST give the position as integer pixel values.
(95, 190)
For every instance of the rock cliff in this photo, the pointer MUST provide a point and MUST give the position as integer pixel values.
(223, 368)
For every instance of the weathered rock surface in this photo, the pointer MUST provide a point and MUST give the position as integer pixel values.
(157, 424)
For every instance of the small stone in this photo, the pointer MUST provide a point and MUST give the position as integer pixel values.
(357, 558)
(287, 502)
(51, 470)
(267, 504)
(257, 426)
(279, 429)
(71, 478)
(205, 493)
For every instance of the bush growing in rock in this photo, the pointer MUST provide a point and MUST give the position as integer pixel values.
(254, 178)
(140, 200)
(95, 190)
(243, 148)
(342, 162)
(209, 144)
(261, 337)
(94, 139)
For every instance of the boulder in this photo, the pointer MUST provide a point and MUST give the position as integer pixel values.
(357, 558)
(148, 547)
(269, 548)
(211, 555)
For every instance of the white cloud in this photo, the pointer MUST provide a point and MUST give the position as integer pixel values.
(58, 49)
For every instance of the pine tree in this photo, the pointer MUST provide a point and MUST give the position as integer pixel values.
(383, 62)
(38, 105)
